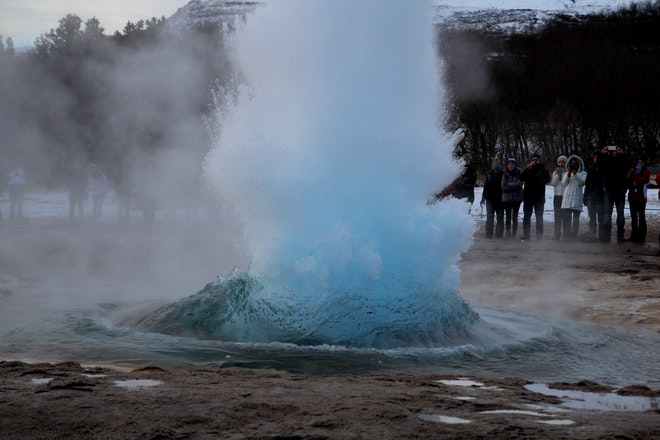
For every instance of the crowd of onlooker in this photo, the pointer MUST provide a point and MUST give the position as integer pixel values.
(602, 187)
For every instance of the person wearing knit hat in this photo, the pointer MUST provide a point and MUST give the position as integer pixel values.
(561, 220)
(492, 198)
(534, 177)
(512, 195)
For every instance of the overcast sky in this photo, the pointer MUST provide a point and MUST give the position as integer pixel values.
(25, 20)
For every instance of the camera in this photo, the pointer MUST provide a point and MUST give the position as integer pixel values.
(611, 148)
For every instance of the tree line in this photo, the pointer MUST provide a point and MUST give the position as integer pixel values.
(572, 86)
(136, 99)
(129, 102)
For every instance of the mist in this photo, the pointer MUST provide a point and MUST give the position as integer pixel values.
(139, 114)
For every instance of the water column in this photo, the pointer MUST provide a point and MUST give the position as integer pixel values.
(328, 148)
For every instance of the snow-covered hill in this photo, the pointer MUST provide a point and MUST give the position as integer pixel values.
(202, 13)
(514, 15)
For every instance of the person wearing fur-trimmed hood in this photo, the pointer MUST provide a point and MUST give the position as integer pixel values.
(572, 202)
(561, 220)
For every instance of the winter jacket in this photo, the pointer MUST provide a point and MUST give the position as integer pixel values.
(615, 169)
(573, 186)
(637, 184)
(16, 177)
(97, 184)
(556, 181)
(512, 186)
(535, 179)
(593, 186)
(464, 184)
(493, 187)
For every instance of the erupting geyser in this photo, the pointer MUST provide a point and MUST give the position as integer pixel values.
(327, 151)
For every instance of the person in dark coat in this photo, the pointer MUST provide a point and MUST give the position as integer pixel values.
(594, 195)
(615, 171)
(492, 198)
(512, 195)
(638, 180)
(464, 184)
(535, 177)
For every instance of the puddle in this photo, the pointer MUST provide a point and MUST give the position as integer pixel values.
(442, 419)
(41, 380)
(462, 382)
(533, 414)
(137, 383)
(557, 422)
(596, 401)
(546, 408)
(515, 411)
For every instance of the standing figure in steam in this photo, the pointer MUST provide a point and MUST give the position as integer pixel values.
(561, 222)
(573, 183)
(77, 190)
(492, 198)
(638, 179)
(594, 196)
(98, 186)
(124, 192)
(512, 196)
(615, 165)
(535, 176)
(16, 184)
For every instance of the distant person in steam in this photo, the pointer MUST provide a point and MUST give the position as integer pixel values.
(97, 185)
(77, 190)
(534, 177)
(16, 184)
(124, 192)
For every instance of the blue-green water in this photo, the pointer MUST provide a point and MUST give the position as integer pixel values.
(496, 344)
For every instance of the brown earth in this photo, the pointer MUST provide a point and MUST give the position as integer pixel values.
(613, 284)
(609, 284)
